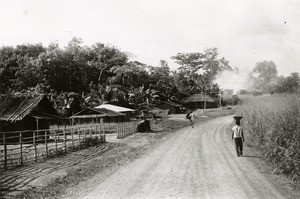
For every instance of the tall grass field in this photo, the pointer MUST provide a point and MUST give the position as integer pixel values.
(272, 125)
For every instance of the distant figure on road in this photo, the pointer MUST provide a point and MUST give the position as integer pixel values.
(238, 135)
(191, 117)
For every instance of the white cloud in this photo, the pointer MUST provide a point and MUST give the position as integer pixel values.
(245, 32)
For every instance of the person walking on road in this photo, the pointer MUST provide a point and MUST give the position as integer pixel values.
(238, 135)
(191, 117)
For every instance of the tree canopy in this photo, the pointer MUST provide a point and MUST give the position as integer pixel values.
(102, 73)
(198, 70)
(265, 78)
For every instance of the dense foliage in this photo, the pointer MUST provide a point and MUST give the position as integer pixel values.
(265, 78)
(101, 73)
(272, 123)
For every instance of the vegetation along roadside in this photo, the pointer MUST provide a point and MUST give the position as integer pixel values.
(272, 124)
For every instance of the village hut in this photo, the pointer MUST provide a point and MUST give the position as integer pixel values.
(158, 113)
(127, 111)
(174, 108)
(101, 115)
(25, 113)
(200, 101)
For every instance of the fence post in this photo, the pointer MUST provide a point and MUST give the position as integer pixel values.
(21, 148)
(90, 131)
(72, 137)
(46, 143)
(79, 136)
(97, 131)
(5, 151)
(55, 140)
(65, 139)
(34, 144)
(123, 130)
(104, 136)
(118, 132)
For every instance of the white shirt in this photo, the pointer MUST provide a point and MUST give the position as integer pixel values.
(237, 131)
(192, 115)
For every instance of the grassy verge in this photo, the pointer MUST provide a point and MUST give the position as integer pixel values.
(272, 124)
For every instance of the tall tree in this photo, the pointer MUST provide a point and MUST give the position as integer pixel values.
(162, 81)
(197, 70)
(288, 84)
(18, 66)
(266, 70)
(104, 58)
(8, 68)
(265, 73)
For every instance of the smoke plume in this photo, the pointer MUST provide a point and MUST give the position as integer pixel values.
(234, 80)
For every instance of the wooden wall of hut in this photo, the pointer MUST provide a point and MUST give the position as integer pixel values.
(28, 123)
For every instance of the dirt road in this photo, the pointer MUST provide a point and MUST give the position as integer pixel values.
(196, 162)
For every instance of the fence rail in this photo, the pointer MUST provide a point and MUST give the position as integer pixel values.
(20, 147)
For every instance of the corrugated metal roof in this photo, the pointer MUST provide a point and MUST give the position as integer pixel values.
(111, 107)
(88, 116)
(102, 112)
(110, 112)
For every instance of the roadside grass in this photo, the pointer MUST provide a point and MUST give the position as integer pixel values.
(272, 125)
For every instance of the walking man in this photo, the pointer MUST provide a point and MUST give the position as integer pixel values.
(238, 135)
(191, 117)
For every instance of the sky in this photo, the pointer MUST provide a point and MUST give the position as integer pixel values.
(244, 31)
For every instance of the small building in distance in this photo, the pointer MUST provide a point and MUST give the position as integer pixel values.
(251, 91)
(174, 108)
(227, 92)
(101, 115)
(127, 111)
(22, 113)
(200, 101)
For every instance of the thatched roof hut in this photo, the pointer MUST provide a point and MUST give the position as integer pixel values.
(173, 107)
(198, 98)
(20, 113)
(16, 108)
(199, 101)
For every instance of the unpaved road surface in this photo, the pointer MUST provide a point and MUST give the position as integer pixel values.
(196, 162)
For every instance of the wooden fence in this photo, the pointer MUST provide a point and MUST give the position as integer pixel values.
(126, 129)
(20, 147)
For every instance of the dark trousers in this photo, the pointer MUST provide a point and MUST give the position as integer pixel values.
(238, 146)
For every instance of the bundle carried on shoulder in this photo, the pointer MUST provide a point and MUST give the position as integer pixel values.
(188, 116)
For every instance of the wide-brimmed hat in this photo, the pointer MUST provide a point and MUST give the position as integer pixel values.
(238, 117)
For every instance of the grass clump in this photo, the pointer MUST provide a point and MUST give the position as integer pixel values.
(272, 124)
